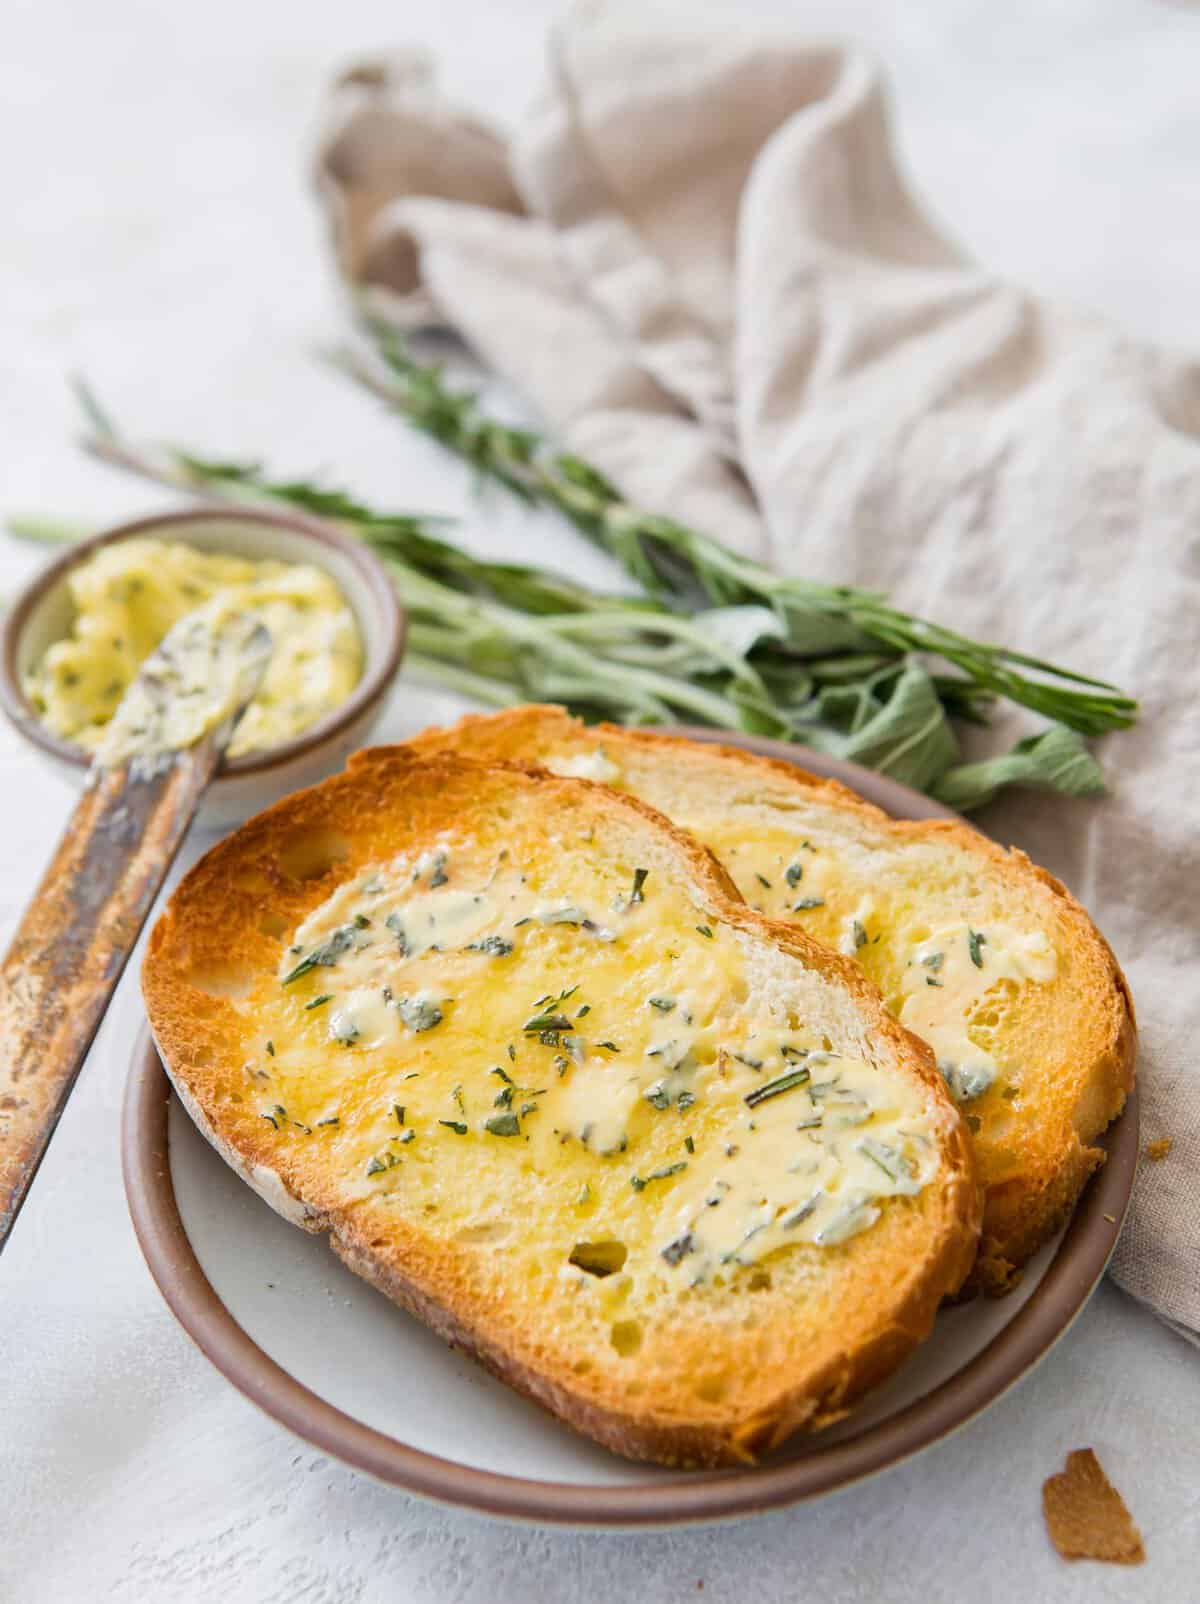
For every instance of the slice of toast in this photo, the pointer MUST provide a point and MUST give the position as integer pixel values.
(984, 955)
(666, 1166)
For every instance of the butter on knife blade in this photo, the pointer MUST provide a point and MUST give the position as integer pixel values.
(200, 674)
(163, 746)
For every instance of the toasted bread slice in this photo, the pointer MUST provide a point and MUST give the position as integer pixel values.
(984, 955)
(666, 1166)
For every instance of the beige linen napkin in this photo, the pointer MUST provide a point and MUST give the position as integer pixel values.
(697, 259)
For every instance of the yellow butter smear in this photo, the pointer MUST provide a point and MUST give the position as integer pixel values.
(429, 1015)
(936, 983)
(128, 595)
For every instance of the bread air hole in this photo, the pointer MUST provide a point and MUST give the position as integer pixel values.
(626, 1337)
(310, 856)
(220, 982)
(599, 1258)
(485, 1231)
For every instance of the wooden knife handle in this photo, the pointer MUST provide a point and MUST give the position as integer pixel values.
(72, 943)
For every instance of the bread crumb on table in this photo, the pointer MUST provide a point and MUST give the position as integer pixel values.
(1159, 1149)
(1086, 1516)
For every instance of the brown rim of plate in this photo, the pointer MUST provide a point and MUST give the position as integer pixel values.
(377, 675)
(1080, 1261)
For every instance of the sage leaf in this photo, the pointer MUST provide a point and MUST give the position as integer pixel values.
(1055, 759)
(739, 629)
(908, 737)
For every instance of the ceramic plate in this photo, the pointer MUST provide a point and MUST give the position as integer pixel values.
(339, 1365)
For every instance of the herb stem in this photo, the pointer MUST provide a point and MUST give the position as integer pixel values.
(670, 559)
(834, 666)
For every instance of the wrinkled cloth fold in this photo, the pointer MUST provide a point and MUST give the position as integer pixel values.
(698, 260)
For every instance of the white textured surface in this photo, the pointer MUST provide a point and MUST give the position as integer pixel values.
(159, 237)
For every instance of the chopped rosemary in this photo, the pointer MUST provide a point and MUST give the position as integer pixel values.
(455, 1125)
(503, 1125)
(934, 961)
(762, 880)
(641, 1182)
(860, 936)
(398, 1110)
(582, 1012)
(705, 931)
(775, 1088)
(975, 943)
(270, 1049)
(324, 956)
(802, 1213)
(889, 1159)
(639, 880)
(679, 1248)
(793, 874)
(318, 1002)
(690, 1144)
(663, 1004)
(493, 946)
(808, 902)
(548, 1021)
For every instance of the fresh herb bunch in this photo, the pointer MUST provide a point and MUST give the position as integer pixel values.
(680, 564)
(715, 638)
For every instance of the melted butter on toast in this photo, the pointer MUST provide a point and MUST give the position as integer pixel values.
(449, 1013)
(805, 878)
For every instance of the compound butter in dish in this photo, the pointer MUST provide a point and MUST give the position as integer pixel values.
(129, 594)
(514, 1041)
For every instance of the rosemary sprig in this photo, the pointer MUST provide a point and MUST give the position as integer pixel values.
(499, 632)
(673, 561)
(773, 656)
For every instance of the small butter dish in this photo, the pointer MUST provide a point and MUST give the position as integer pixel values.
(42, 613)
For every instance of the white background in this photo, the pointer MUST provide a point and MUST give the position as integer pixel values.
(159, 235)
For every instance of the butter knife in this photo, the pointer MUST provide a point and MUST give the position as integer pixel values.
(163, 746)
